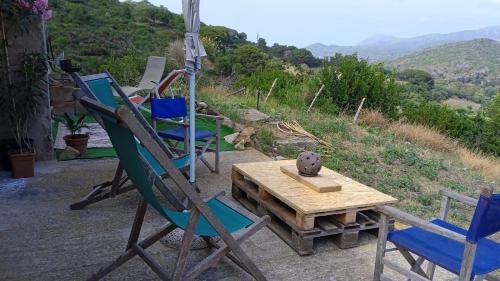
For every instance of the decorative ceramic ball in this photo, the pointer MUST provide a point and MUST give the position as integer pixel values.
(309, 164)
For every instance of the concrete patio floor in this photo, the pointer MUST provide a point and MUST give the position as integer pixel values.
(42, 239)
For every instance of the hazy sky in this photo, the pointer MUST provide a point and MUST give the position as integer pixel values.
(343, 22)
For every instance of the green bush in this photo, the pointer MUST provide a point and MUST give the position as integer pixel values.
(126, 70)
(348, 80)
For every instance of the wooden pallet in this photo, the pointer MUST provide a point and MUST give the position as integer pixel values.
(299, 230)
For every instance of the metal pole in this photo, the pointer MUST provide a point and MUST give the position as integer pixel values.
(192, 124)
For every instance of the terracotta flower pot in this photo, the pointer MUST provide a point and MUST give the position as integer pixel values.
(78, 142)
(23, 164)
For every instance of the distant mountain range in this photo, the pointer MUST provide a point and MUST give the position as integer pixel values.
(475, 61)
(382, 47)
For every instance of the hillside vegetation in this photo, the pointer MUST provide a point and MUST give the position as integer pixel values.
(104, 34)
(475, 61)
(381, 154)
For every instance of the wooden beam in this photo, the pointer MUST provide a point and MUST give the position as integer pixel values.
(411, 260)
(358, 111)
(383, 229)
(271, 90)
(460, 197)
(406, 272)
(467, 261)
(418, 222)
(315, 97)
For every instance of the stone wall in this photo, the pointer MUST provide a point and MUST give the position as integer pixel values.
(40, 127)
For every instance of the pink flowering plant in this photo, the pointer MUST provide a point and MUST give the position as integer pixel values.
(12, 9)
(38, 7)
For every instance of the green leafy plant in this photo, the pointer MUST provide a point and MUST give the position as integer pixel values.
(21, 97)
(73, 123)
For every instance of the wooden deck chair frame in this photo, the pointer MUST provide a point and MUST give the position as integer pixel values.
(201, 149)
(118, 185)
(231, 247)
(415, 272)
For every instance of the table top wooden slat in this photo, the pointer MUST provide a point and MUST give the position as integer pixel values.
(304, 199)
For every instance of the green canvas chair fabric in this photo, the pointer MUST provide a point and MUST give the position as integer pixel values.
(100, 87)
(213, 217)
(124, 144)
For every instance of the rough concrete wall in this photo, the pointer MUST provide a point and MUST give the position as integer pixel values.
(40, 127)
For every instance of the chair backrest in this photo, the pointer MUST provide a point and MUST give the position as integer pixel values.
(97, 87)
(100, 87)
(153, 73)
(126, 148)
(486, 219)
(102, 90)
(168, 108)
(167, 82)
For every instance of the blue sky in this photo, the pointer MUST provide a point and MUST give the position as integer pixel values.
(343, 22)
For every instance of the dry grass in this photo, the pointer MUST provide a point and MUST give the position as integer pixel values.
(488, 166)
(423, 136)
(431, 138)
(175, 51)
(373, 118)
(215, 90)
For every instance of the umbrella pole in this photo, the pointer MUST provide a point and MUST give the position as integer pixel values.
(192, 124)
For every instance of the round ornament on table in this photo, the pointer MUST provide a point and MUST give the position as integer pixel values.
(309, 164)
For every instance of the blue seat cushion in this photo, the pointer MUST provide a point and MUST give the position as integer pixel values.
(230, 219)
(446, 252)
(177, 133)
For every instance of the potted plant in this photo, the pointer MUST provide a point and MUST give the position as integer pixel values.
(22, 102)
(22, 93)
(75, 139)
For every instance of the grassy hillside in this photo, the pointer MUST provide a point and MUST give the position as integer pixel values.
(475, 61)
(93, 31)
(119, 36)
(379, 154)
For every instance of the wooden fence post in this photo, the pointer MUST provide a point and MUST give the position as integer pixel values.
(358, 111)
(315, 97)
(271, 90)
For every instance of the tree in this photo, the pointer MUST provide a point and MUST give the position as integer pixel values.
(217, 34)
(422, 79)
(302, 56)
(248, 58)
(348, 80)
(262, 44)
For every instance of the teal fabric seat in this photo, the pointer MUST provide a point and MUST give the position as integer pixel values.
(149, 158)
(129, 153)
(102, 90)
(230, 219)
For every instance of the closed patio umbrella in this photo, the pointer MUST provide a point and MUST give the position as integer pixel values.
(194, 52)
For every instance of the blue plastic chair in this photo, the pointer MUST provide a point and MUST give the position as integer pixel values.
(174, 111)
(208, 218)
(466, 253)
(99, 87)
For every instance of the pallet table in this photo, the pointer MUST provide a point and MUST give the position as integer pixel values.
(300, 214)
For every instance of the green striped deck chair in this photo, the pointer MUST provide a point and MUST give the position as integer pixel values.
(213, 217)
(99, 87)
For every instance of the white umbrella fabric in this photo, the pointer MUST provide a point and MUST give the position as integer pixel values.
(193, 54)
